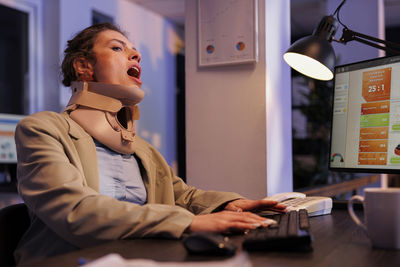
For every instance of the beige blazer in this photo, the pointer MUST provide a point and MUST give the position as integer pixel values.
(59, 182)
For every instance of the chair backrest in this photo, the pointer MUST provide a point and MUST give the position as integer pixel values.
(14, 221)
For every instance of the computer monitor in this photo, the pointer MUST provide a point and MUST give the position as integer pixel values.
(365, 133)
(8, 122)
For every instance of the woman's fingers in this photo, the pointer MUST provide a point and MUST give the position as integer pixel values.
(246, 226)
(261, 204)
(228, 221)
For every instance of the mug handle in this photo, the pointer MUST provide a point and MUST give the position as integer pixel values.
(352, 213)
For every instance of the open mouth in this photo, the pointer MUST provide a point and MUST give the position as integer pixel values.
(134, 72)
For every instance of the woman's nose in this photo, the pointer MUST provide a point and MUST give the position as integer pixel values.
(135, 55)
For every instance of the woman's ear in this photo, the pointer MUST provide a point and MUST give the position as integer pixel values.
(83, 69)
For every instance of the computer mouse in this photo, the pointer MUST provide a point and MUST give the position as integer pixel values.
(208, 243)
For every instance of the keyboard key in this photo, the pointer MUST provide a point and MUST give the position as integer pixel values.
(303, 219)
(292, 227)
(283, 226)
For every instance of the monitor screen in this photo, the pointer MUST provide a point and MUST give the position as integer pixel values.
(365, 134)
(8, 122)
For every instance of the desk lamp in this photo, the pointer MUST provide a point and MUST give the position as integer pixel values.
(314, 56)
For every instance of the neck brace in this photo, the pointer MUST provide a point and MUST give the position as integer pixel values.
(107, 112)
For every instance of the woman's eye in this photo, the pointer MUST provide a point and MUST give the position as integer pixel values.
(116, 48)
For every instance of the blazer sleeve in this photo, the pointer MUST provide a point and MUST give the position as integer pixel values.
(195, 200)
(54, 189)
(200, 201)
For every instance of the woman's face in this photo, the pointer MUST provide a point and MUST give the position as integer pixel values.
(117, 61)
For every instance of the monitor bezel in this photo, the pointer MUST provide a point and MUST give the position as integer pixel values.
(356, 170)
(8, 123)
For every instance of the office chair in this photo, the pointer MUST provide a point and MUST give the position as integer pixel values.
(14, 221)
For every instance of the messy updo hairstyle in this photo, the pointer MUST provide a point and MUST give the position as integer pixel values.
(81, 46)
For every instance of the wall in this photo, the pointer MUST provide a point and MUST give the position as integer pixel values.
(278, 98)
(155, 39)
(51, 44)
(232, 111)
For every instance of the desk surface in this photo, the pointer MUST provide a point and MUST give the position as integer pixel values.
(337, 242)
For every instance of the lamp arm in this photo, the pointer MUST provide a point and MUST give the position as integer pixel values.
(386, 48)
(349, 35)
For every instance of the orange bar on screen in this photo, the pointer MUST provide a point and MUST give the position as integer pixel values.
(373, 146)
(372, 158)
(375, 107)
(374, 133)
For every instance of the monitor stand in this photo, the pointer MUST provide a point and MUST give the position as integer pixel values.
(384, 180)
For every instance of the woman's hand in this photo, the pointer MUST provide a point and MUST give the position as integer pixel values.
(225, 221)
(254, 205)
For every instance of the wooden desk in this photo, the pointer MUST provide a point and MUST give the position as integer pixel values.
(337, 242)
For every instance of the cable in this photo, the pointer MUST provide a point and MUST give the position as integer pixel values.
(337, 11)
(339, 7)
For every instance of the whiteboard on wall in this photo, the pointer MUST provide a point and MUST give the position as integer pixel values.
(227, 32)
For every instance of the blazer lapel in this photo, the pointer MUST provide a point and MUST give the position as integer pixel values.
(149, 173)
(87, 153)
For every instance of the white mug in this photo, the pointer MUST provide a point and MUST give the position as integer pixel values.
(381, 216)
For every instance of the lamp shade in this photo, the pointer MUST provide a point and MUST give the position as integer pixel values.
(313, 55)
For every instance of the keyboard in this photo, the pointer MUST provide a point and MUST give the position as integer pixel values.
(291, 233)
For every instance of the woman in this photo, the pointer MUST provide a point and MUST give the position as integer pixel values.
(87, 178)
